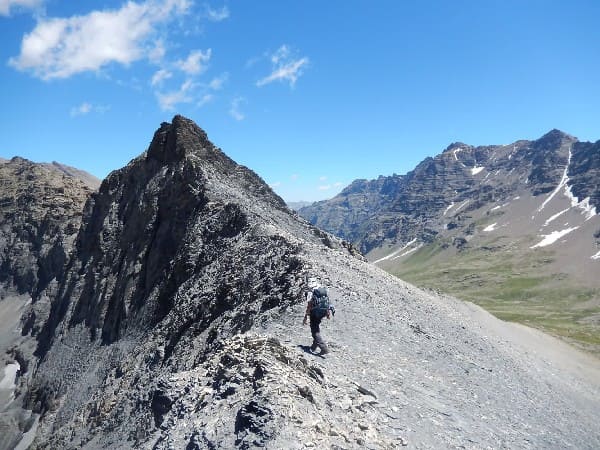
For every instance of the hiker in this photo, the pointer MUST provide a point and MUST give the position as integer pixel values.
(317, 307)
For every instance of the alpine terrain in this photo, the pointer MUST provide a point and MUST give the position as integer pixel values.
(514, 228)
(173, 319)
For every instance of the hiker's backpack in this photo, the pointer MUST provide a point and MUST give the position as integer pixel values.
(320, 302)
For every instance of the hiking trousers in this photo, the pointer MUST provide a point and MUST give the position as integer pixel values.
(315, 330)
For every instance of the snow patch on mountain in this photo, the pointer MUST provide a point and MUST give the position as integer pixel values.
(589, 211)
(555, 216)
(553, 237)
(475, 170)
(408, 252)
(596, 256)
(10, 373)
(563, 182)
(491, 227)
(462, 205)
(394, 253)
(448, 208)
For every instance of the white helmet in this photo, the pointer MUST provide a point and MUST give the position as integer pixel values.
(313, 283)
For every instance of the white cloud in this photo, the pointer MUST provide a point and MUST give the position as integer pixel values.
(157, 53)
(322, 178)
(294, 177)
(217, 82)
(282, 53)
(169, 100)
(275, 185)
(62, 47)
(194, 63)
(7, 5)
(284, 67)
(338, 184)
(207, 98)
(234, 111)
(217, 15)
(325, 187)
(160, 76)
(81, 110)
(86, 108)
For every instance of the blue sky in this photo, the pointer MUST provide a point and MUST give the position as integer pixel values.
(309, 94)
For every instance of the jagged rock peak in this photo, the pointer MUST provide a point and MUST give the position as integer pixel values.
(554, 138)
(456, 146)
(173, 141)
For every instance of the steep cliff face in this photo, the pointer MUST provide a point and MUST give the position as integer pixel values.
(40, 212)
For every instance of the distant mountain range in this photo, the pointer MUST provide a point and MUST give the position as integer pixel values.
(514, 228)
(298, 205)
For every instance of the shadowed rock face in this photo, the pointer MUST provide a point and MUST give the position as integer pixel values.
(40, 214)
(401, 208)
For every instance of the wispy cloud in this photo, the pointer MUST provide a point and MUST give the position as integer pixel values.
(160, 76)
(7, 5)
(86, 108)
(234, 111)
(275, 185)
(62, 47)
(217, 82)
(195, 63)
(169, 100)
(81, 110)
(206, 98)
(294, 177)
(157, 52)
(285, 67)
(326, 187)
(217, 15)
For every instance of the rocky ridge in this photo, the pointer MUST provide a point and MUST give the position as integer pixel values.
(399, 208)
(176, 324)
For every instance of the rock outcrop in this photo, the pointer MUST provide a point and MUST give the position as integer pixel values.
(40, 213)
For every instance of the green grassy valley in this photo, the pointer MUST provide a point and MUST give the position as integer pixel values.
(511, 286)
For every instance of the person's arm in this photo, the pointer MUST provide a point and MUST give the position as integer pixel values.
(307, 312)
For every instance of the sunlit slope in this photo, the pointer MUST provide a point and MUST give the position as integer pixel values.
(529, 260)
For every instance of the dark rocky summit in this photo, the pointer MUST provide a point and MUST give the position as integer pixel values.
(176, 324)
